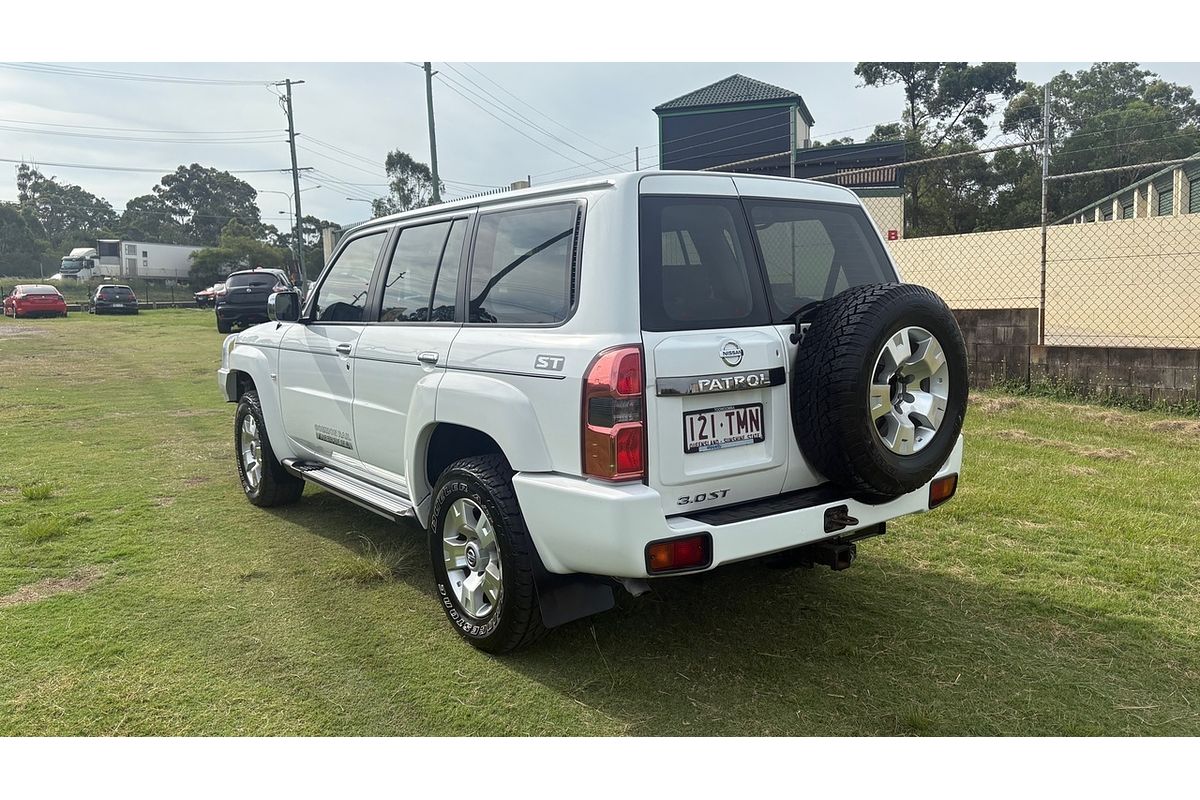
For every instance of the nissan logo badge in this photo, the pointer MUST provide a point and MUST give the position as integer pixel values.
(731, 353)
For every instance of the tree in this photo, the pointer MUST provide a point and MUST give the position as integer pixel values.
(834, 142)
(238, 248)
(23, 249)
(410, 186)
(946, 108)
(205, 200)
(66, 213)
(1110, 115)
(147, 218)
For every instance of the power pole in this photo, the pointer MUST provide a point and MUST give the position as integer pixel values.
(298, 225)
(1045, 210)
(437, 192)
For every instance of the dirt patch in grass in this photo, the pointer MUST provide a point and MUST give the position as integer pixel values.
(992, 405)
(1189, 427)
(193, 482)
(1078, 470)
(79, 581)
(12, 331)
(1103, 453)
(165, 501)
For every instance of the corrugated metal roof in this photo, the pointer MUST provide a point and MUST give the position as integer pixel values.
(734, 90)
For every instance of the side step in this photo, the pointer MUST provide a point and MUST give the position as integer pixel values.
(371, 497)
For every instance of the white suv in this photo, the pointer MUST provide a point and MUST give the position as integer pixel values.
(590, 385)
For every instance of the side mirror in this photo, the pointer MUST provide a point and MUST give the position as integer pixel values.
(284, 306)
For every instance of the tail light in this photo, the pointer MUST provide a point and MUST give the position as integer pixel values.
(942, 489)
(614, 410)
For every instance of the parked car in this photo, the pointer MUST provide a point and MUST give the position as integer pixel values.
(244, 301)
(35, 300)
(599, 384)
(207, 298)
(113, 298)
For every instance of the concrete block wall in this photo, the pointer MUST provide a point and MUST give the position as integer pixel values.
(998, 341)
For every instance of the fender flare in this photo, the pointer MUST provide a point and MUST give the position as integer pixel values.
(255, 362)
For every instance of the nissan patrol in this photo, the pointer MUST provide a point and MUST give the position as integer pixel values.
(592, 385)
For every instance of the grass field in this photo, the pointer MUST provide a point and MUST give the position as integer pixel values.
(141, 594)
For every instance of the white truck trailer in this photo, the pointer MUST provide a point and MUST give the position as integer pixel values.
(114, 258)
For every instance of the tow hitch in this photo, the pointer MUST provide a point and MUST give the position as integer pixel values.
(835, 555)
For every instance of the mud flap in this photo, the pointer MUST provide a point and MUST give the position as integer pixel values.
(566, 598)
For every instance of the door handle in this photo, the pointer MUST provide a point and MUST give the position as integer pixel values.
(427, 357)
(344, 349)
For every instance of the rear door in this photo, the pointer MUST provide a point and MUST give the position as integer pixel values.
(717, 400)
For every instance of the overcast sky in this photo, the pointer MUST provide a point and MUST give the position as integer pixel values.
(349, 115)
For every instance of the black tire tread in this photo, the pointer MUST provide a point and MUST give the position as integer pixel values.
(827, 381)
(279, 487)
(520, 596)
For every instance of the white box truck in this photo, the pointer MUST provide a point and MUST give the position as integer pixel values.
(125, 259)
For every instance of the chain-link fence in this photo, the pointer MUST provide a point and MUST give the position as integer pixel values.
(1122, 270)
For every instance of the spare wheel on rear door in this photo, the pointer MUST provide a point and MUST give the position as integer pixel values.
(879, 389)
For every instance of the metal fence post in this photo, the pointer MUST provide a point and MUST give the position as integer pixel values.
(1045, 211)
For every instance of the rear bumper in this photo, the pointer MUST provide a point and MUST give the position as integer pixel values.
(603, 529)
(242, 313)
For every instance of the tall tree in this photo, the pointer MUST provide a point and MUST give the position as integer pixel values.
(205, 200)
(66, 212)
(946, 108)
(147, 218)
(1112, 114)
(410, 185)
(24, 250)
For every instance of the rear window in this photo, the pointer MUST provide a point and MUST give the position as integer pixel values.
(256, 279)
(697, 265)
(812, 251)
(700, 269)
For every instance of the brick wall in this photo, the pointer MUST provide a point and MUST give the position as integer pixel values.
(1002, 345)
(998, 341)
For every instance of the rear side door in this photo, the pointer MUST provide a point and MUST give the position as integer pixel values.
(400, 359)
(717, 402)
(316, 376)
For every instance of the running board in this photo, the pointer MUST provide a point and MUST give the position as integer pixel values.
(371, 497)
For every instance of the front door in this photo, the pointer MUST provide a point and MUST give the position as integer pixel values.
(316, 365)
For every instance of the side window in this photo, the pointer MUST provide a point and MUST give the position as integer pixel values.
(523, 267)
(342, 296)
(410, 277)
(445, 293)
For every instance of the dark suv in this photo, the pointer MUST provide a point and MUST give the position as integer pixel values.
(244, 301)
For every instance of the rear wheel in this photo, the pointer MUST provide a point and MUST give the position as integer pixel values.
(482, 556)
(264, 480)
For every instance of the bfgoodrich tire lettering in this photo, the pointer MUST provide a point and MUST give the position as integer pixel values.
(485, 482)
(831, 384)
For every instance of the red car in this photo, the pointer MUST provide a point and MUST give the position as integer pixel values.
(35, 300)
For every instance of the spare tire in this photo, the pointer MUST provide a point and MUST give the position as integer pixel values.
(879, 389)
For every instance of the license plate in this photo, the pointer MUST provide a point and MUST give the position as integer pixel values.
(118, 305)
(718, 428)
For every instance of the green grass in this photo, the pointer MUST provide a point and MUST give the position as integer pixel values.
(37, 491)
(1057, 594)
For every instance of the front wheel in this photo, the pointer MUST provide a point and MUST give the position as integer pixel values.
(223, 326)
(264, 480)
(482, 556)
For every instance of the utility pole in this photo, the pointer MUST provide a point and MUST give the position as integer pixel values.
(298, 225)
(437, 192)
(1045, 210)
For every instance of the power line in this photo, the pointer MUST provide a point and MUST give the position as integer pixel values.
(502, 105)
(536, 111)
(39, 163)
(139, 130)
(87, 72)
(451, 86)
(259, 139)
